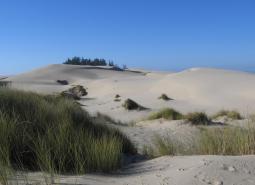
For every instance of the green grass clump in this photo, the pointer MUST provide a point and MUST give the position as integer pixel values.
(227, 141)
(230, 114)
(166, 113)
(54, 134)
(198, 118)
(210, 141)
(5, 83)
(165, 146)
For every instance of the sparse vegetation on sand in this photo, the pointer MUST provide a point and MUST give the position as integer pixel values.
(5, 83)
(229, 114)
(103, 118)
(55, 135)
(227, 141)
(132, 105)
(197, 118)
(210, 141)
(75, 92)
(166, 113)
(164, 97)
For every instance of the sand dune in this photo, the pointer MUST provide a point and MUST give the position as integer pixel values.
(194, 89)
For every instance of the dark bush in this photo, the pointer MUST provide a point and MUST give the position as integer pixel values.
(165, 97)
(75, 92)
(62, 82)
(132, 105)
(198, 118)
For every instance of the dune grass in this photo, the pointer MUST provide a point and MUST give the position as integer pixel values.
(210, 141)
(166, 113)
(5, 83)
(195, 118)
(229, 114)
(227, 141)
(54, 134)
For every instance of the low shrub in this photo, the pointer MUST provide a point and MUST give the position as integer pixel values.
(198, 118)
(166, 113)
(229, 114)
(62, 82)
(75, 92)
(132, 105)
(70, 95)
(54, 134)
(165, 97)
(117, 98)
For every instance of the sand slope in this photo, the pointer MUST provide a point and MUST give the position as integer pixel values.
(186, 170)
(199, 89)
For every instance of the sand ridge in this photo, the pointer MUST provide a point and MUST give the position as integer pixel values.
(196, 89)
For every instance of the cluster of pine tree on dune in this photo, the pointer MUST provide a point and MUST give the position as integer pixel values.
(86, 61)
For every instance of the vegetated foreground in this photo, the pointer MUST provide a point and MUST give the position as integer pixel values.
(55, 135)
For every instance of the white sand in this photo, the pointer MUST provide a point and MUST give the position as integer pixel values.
(186, 170)
(196, 89)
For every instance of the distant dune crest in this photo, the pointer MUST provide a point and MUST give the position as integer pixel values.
(205, 89)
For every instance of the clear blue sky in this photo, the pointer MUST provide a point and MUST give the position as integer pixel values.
(154, 34)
